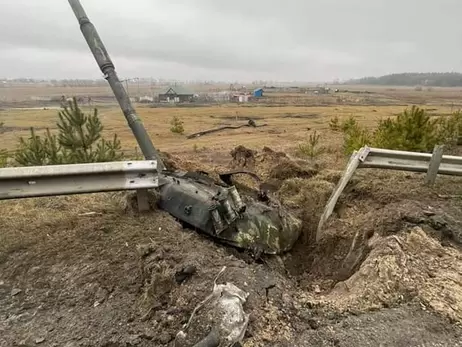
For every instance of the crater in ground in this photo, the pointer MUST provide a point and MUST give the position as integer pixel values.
(89, 271)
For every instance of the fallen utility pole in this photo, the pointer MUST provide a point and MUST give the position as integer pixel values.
(250, 123)
(108, 69)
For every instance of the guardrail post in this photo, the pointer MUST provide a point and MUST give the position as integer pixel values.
(142, 198)
(355, 159)
(434, 165)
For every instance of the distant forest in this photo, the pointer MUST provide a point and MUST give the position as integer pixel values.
(434, 79)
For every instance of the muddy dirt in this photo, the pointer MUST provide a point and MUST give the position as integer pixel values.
(90, 271)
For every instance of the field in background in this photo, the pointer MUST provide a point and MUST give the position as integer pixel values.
(289, 115)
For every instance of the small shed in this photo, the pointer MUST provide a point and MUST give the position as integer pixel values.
(243, 98)
(258, 93)
(146, 99)
(176, 94)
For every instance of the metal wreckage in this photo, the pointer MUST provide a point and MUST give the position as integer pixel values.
(216, 208)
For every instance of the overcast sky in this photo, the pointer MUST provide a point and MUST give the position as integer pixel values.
(301, 40)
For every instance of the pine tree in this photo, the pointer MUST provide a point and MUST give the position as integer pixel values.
(32, 151)
(80, 136)
(3, 152)
(3, 157)
(79, 140)
(412, 130)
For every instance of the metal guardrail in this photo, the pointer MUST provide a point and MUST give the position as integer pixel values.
(52, 180)
(377, 158)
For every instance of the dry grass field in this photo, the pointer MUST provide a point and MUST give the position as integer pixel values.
(286, 125)
(388, 271)
(289, 121)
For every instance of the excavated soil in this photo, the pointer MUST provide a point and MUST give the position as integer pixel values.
(90, 271)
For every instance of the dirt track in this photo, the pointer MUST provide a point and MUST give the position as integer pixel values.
(108, 279)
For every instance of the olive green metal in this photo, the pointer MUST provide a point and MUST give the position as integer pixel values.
(108, 69)
(264, 230)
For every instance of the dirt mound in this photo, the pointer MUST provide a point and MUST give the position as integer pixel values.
(271, 165)
(243, 157)
(270, 153)
(399, 268)
(290, 169)
(177, 163)
(404, 252)
(171, 163)
(174, 163)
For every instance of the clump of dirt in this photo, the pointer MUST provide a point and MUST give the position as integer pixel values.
(171, 163)
(177, 163)
(271, 165)
(268, 152)
(290, 169)
(243, 157)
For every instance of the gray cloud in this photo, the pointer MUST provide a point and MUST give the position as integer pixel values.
(210, 39)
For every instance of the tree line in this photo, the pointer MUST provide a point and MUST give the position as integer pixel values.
(431, 79)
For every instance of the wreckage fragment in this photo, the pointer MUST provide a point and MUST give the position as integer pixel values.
(222, 310)
(250, 123)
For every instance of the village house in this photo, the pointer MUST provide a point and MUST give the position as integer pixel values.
(176, 94)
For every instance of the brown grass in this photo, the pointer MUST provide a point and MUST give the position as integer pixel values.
(21, 219)
(287, 126)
